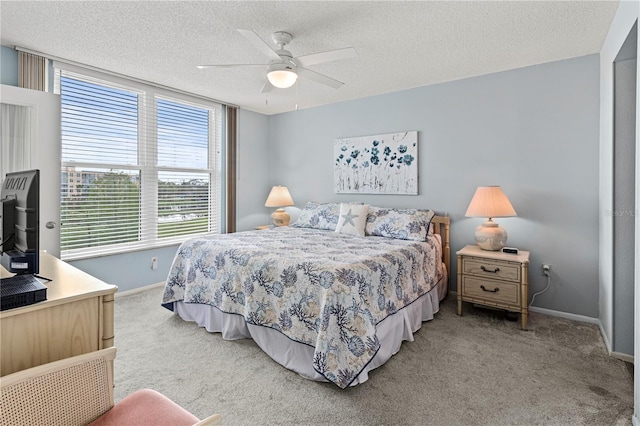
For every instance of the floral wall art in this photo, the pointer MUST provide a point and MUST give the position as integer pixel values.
(379, 164)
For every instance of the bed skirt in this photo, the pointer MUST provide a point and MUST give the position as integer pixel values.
(298, 357)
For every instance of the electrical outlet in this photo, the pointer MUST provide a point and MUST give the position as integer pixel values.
(154, 263)
(546, 269)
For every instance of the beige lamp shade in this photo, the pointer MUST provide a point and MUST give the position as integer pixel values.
(490, 202)
(279, 197)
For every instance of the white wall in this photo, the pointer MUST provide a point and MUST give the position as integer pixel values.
(532, 130)
(627, 14)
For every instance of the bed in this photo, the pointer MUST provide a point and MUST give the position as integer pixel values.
(328, 305)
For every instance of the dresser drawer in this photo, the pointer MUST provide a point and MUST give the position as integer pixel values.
(498, 292)
(507, 271)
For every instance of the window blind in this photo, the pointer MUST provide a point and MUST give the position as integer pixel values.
(140, 168)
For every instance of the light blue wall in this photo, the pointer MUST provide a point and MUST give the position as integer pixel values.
(533, 130)
(624, 202)
(8, 66)
(253, 170)
(129, 270)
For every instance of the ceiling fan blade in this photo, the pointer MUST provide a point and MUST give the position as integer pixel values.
(267, 87)
(330, 56)
(229, 65)
(319, 78)
(260, 44)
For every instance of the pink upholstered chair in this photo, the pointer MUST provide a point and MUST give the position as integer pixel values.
(79, 391)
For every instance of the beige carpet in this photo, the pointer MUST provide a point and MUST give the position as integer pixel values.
(478, 369)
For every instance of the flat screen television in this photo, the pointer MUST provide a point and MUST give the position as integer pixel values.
(20, 221)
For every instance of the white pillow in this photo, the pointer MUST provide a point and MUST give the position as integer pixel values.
(352, 219)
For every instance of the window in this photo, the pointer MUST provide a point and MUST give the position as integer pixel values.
(140, 165)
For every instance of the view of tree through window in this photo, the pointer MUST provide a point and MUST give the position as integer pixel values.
(103, 207)
(127, 182)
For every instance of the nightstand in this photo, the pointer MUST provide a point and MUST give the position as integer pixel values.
(494, 279)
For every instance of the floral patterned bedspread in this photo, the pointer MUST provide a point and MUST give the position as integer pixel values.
(317, 287)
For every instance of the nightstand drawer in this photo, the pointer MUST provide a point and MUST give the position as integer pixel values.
(508, 271)
(499, 292)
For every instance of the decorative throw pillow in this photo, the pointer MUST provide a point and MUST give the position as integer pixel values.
(353, 218)
(402, 224)
(318, 216)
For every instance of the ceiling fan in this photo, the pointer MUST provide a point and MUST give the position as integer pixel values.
(283, 69)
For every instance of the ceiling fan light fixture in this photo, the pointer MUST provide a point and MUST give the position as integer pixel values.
(282, 76)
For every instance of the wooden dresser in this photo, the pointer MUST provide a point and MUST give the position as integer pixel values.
(76, 318)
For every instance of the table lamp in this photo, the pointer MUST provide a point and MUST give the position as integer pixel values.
(490, 202)
(279, 197)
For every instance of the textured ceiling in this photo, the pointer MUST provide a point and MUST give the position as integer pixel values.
(400, 45)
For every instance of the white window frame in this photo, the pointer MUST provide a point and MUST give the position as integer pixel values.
(147, 159)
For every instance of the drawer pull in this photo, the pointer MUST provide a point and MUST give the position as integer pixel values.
(495, 290)
(487, 270)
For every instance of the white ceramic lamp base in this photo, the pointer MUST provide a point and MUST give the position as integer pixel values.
(490, 236)
(280, 218)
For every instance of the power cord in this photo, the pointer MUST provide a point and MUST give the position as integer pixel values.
(42, 278)
(548, 275)
(5, 241)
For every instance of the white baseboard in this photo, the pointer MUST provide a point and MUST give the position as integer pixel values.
(566, 315)
(607, 343)
(590, 320)
(575, 317)
(635, 421)
(138, 290)
(553, 313)
(623, 357)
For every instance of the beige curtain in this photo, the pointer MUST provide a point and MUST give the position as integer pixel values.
(32, 71)
(231, 166)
